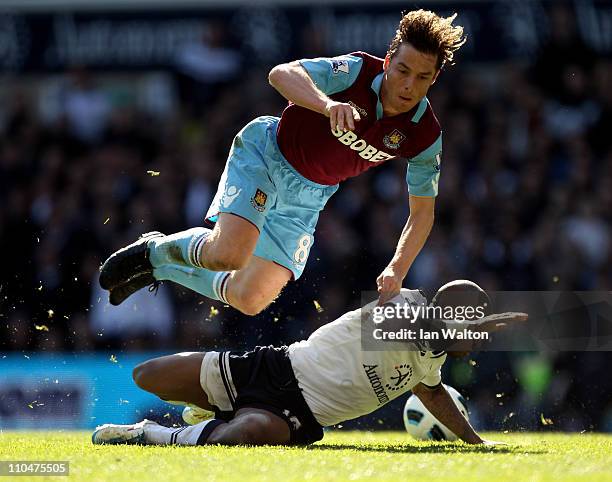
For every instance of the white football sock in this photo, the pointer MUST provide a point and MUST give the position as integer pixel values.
(190, 435)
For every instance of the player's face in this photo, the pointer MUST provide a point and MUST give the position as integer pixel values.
(408, 76)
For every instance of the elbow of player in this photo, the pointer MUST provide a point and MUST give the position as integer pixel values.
(272, 75)
(284, 74)
(275, 74)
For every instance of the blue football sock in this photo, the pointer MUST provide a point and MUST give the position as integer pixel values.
(181, 248)
(212, 284)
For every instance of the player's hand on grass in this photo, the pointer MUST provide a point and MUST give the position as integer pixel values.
(389, 285)
(341, 116)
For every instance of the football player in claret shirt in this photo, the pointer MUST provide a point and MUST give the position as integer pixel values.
(345, 115)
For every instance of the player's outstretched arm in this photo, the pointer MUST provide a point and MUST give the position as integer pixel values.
(412, 239)
(438, 401)
(462, 346)
(294, 84)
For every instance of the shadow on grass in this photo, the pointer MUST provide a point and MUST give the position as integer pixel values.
(444, 448)
(427, 449)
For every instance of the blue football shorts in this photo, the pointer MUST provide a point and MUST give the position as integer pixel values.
(259, 185)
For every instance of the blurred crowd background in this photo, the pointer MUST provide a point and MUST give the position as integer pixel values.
(90, 159)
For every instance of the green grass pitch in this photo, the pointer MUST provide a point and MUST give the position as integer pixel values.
(340, 456)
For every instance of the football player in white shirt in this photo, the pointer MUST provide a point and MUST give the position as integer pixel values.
(286, 395)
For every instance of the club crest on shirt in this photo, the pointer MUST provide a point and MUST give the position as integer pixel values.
(404, 373)
(340, 66)
(259, 200)
(393, 140)
(437, 164)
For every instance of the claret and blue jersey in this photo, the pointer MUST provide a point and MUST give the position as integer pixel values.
(329, 157)
(280, 173)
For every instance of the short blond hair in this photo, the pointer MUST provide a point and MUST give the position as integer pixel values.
(430, 34)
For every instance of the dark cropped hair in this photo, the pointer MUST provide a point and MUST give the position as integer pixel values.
(462, 292)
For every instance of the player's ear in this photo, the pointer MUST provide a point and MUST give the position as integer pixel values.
(386, 62)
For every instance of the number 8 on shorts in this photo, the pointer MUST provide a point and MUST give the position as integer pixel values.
(301, 253)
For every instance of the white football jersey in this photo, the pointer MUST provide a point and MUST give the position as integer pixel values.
(340, 381)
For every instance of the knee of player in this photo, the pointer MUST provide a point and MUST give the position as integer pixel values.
(226, 260)
(261, 429)
(252, 430)
(144, 374)
(251, 303)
